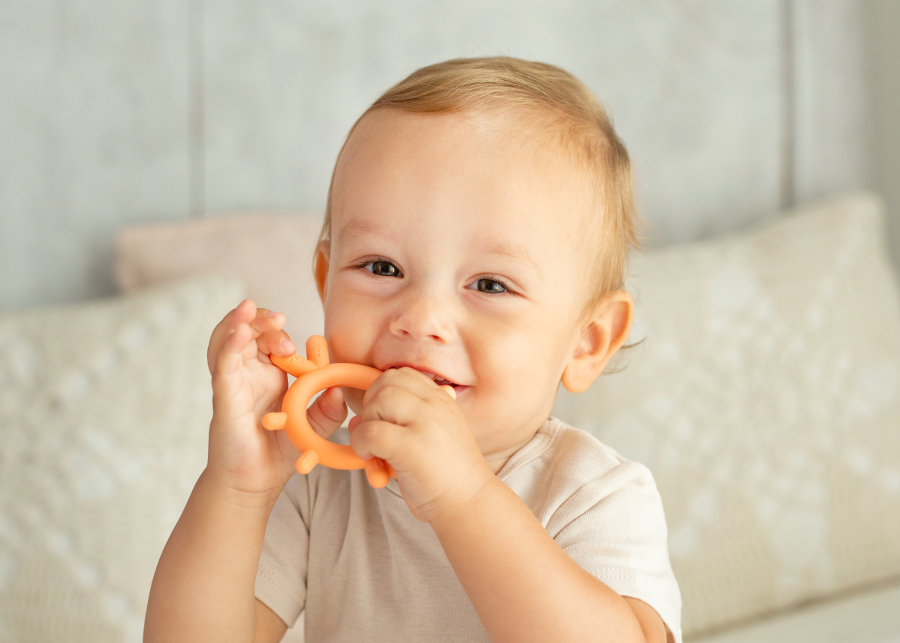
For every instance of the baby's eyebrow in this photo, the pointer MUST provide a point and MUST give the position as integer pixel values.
(509, 249)
(357, 228)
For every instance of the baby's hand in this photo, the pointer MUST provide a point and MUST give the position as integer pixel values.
(421, 431)
(246, 385)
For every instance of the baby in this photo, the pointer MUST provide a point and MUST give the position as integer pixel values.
(478, 222)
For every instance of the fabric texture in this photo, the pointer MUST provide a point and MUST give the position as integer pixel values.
(765, 399)
(364, 569)
(104, 421)
(271, 254)
(869, 616)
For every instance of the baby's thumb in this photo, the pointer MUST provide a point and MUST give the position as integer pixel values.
(328, 412)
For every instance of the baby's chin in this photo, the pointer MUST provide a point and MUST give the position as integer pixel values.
(353, 398)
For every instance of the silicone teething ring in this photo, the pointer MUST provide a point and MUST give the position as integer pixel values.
(315, 375)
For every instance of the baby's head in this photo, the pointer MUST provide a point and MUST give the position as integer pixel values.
(478, 224)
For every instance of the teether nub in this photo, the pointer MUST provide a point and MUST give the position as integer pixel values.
(274, 421)
(307, 461)
(377, 472)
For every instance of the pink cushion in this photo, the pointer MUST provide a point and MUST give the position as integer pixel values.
(272, 254)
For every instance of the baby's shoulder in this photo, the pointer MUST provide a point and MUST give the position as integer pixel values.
(573, 445)
(569, 462)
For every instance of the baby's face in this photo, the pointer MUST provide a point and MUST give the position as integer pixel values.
(457, 254)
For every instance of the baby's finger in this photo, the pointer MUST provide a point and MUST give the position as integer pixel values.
(276, 342)
(378, 439)
(392, 379)
(230, 356)
(266, 320)
(242, 313)
(392, 403)
(328, 412)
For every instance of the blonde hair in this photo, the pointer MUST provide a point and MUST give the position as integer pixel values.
(559, 104)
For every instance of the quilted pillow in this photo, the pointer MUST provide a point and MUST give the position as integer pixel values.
(765, 398)
(104, 418)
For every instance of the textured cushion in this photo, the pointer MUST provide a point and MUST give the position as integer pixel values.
(765, 398)
(104, 418)
(271, 254)
(871, 616)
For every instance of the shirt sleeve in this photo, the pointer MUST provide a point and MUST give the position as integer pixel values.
(614, 527)
(281, 577)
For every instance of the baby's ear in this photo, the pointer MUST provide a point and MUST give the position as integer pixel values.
(602, 334)
(321, 272)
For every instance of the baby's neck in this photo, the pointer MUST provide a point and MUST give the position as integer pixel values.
(497, 460)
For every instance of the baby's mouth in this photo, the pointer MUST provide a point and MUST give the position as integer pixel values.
(437, 379)
(458, 388)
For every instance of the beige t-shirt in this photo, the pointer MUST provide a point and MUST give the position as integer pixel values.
(365, 569)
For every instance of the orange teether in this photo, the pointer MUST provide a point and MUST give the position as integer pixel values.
(315, 374)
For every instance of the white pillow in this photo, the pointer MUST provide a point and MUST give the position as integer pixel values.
(766, 401)
(104, 418)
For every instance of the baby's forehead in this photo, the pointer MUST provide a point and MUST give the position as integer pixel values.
(483, 159)
(508, 125)
(511, 135)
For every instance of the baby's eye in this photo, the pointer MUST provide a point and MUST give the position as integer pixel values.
(382, 268)
(491, 286)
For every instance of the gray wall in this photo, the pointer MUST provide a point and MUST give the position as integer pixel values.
(113, 114)
(882, 37)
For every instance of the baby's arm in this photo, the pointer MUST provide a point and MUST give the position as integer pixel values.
(522, 584)
(203, 589)
(204, 584)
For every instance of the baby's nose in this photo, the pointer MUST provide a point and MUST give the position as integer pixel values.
(424, 317)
